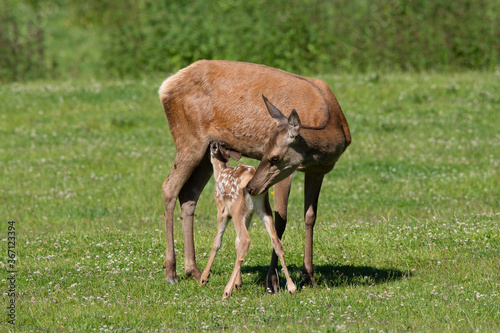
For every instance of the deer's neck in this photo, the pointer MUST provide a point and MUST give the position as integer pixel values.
(320, 147)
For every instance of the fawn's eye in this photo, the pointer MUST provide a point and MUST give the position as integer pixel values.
(274, 159)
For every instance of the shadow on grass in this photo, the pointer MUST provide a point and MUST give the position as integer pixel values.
(333, 275)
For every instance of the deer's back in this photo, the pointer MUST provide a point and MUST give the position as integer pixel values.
(222, 100)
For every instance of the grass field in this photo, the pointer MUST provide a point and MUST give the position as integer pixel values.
(407, 236)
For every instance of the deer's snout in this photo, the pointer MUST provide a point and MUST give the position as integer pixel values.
(250, 190)
(255, 190)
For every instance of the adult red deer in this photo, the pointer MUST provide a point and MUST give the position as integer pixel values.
(222, 101)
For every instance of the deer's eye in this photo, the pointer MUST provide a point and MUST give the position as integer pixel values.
(274, 159)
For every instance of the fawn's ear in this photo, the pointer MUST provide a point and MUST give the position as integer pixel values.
(235, 155)
(226, 152)
(213, 147)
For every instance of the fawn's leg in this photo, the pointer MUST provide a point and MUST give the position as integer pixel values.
(222, 219)
(266, 215)
(248, 218)
(238, 282)
(243, 244)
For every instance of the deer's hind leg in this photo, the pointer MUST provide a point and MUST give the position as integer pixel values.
(188, 198)
(179, 180)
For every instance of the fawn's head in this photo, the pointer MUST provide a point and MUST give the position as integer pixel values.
(220, 153)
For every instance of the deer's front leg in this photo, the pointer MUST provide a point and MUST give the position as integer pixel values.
(281, 194)
(312, 188)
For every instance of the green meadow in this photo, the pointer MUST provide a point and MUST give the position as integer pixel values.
(407, 235)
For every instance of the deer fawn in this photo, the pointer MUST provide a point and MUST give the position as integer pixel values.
(234, 201)
(214, 100)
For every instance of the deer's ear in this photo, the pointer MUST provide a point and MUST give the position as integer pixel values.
(294, 124)
(274, 112)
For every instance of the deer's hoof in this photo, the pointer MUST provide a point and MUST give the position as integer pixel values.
(170, 274)
(171, 279)
(194, 272)
(272, 283)
(308, 278)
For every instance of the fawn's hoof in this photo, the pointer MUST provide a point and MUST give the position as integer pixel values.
(203, 280)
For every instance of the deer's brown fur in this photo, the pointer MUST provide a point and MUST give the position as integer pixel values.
(222, 101)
